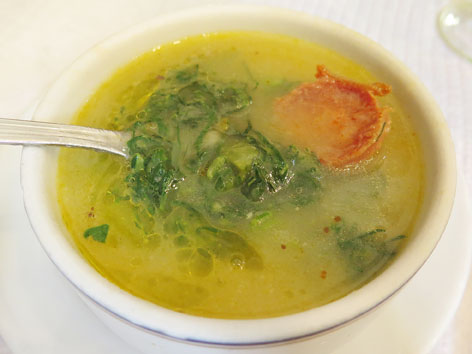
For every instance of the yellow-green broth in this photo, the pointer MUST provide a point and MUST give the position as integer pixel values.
(300, 259)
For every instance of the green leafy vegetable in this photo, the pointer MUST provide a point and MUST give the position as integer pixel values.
(396, 238)
(261, 218)
(183, 110)
(187, 74)
(186, 155)
(189, 224)
(152, 175)
(250, 161)
(277, 173)
(221, 172)
(233, 99)
(364, 251)
(98, 233)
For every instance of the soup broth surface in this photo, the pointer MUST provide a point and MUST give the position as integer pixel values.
(219, 213)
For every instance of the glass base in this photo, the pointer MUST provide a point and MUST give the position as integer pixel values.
(455, 26)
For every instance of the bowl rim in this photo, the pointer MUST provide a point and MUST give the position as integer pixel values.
(240, 332)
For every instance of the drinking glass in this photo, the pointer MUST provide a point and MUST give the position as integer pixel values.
(455, 26)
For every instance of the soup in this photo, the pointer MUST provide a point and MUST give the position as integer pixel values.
(235, 202)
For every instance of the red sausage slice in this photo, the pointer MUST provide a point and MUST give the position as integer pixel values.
(339, 120)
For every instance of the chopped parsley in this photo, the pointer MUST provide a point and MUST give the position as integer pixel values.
(98, 233)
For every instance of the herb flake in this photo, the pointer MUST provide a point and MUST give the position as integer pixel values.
(98, 233)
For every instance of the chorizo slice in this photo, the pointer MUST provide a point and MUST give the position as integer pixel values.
(337, 119)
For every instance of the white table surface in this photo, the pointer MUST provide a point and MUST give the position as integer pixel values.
(40, 38)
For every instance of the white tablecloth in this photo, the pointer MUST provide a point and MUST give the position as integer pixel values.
(40, 38)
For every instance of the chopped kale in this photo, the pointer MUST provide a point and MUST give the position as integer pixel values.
(250, 161)
(187, 74)
(187, 155)
(98, 233)
(396, 238)
(233, 99)
(256, 183)
(152, 176)
(305, 186)
(261, 218)
(185, 106)
(221, 172)
(189, 224)
(278, 173)
(363, 250)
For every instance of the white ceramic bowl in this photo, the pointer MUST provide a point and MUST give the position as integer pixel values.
(156, 329)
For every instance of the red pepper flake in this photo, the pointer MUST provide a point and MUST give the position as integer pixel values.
(337, 218)
(91, 214)
(326, 229)
(160, 77)
(323, 274)
(283, 246)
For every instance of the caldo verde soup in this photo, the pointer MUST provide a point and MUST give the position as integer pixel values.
(267, 175)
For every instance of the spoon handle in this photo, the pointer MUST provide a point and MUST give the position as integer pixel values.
(25, 132)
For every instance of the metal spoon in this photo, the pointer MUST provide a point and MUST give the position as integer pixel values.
(25, 132)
